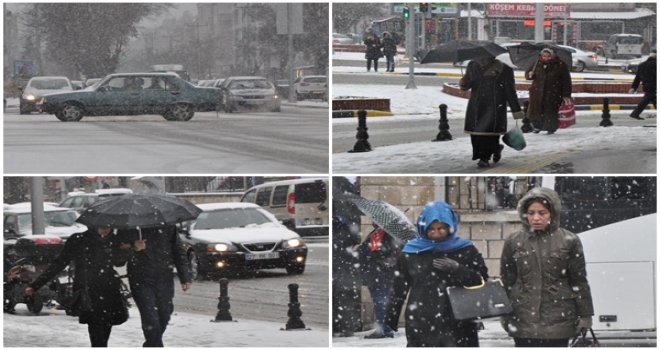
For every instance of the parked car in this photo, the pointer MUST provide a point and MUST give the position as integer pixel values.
(230, 237)
(300, 204)
(38, 87)
(134, 94)
(80, 201)
(282, 87)
(311, 86)
(249, 92)
(92, 81)
(342, 39)
(631, 66)
(581, 59)
(60, 222)
(623, 45)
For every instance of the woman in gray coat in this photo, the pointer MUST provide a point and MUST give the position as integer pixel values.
(544, 272)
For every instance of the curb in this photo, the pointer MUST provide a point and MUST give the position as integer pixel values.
(295, 104)
(612, 107)
(519, 77)
(353, 113)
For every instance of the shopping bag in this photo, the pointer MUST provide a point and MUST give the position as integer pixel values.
(475, 303)
(566, 115)
(582, 341)
(514, 138)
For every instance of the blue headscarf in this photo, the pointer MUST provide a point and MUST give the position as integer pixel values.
(442, 212)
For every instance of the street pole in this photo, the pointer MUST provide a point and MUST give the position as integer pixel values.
(410, 47)
(469, 8)
(422, 27)
(565, 27)
(538, 23)
(37, 202)
(292, 77)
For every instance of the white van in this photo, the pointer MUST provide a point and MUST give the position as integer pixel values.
(621, 270)
(301, 204)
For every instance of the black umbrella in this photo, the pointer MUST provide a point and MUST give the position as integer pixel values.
(385, 215)
(462, 50)
(139, 211)
(524, 55)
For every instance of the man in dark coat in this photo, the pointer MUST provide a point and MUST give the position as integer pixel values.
(551, 86)
(93, 258)
(646, 74)
(372, 51)
(153, 254)
(493, 87)
(437, 259)
(389, 50)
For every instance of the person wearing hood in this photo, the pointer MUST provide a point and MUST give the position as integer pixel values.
(435, 260)
(492, 88)
(372, 50)
(389, 50)
(551, 86)
(93, 258)
(544, 273)
(647, 75)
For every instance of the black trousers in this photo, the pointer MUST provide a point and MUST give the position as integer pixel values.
(375, 65)
(389, 60)
(154, 300)
(540, 343)
(483, 146)
(649, 97)
(99, 334)
(546, 123)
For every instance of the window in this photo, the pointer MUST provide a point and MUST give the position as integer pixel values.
(263, 197)
(279, 195)
(249, 196)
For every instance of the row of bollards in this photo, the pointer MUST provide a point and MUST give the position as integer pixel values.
(294, 322)
(362, 136)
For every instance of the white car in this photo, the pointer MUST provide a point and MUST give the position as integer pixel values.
(249, 92)
(59, 221)
(311, 86)
(37, 87)
(342, 39)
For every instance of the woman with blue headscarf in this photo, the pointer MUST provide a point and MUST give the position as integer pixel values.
(435, 260)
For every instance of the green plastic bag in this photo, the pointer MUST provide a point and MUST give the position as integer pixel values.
(514, 138)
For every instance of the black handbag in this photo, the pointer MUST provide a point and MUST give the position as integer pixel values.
(581, 340)
(479, 302)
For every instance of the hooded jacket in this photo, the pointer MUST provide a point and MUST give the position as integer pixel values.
(428, 316)
(545, 276)
(550, 84)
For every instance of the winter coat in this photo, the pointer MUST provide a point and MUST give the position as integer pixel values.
(646, 74)
(93, 259)
(389, 45)
(163, 252)
(377, 266)
(492, 88)
(373, 47)
(429, 320)
(545, 276)
(550, 84)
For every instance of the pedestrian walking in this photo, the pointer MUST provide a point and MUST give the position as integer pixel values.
(377, 255)
(646, 74)
(428, 264)
(551, 86)
(543, 270)
(372, 51)
(153, 252)
(100, 302)
(492, 88)
(389, 50)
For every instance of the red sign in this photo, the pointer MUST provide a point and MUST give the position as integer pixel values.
(531, 23)
(527, 10)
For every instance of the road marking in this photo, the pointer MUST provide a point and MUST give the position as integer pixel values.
(529, 167)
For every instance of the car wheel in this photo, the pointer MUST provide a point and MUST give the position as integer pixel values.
(34, 304)
(181, 112)
(70, 113)
(196, 272)
(168, 116)
(579, 66)
(22, 109)
(299, 97)
(295, 269)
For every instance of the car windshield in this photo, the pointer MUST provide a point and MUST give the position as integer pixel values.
(230, 218)
(52, 218)
(249, 84)
(49, 84)
(630, 40)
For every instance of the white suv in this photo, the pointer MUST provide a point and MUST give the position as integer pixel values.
(311, 86)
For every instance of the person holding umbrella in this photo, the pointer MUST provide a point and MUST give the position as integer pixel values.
(99, 303)
(435, 260)
(551, 86)
(492, 88)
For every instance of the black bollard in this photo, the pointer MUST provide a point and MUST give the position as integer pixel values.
(223, 303)
(362, 145)
(606, 113)
(294, 313)
(527, 124)
(443, 134)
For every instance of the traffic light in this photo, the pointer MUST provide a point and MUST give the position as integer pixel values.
(424, 7)
(406, 14)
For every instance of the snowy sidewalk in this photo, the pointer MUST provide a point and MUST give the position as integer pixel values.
(52, 328)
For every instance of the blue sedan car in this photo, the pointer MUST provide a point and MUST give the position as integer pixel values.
(133, 94)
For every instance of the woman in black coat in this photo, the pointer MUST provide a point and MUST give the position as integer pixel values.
(92, 257)
(437, 259)
(372, 51)
(493, 87)
(389, 50)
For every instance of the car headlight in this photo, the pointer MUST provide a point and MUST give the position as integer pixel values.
(275, 97)
(221, 247)
(293, 243)
(30, 97)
